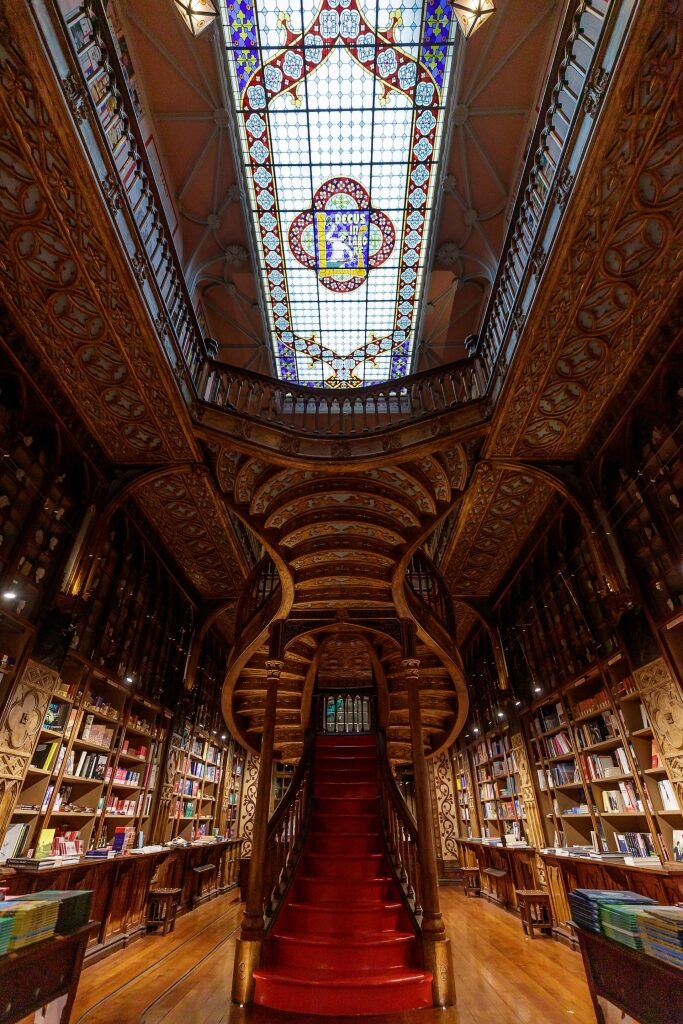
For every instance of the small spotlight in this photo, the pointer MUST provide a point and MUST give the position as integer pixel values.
(9, 595)
(475, 730)
(537, 689)
(129, 679)
(501, 715)
(224, 737)
(518, 703)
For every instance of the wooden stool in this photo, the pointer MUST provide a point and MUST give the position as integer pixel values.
(472, 881)
(205, 871)
(162, 906)
(495, 876)
(534, 910)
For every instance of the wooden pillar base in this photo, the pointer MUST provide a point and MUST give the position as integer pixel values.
(247, 959)
(438, 960)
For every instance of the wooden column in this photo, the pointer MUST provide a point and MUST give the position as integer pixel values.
(437, 952)
(248, 951)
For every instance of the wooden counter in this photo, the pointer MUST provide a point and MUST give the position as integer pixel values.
(518, 863)
(120, 886)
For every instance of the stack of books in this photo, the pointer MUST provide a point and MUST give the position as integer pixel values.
(620, 921)
(6, 925)
(32, 921)
(662, 932)
(586, 904)
(73, 906)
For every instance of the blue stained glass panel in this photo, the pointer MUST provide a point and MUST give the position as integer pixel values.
(341, 109)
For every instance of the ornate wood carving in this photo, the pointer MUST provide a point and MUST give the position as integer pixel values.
(20, 723)
(444, 806)
(248, 802)
(663, 702)
(534, 824)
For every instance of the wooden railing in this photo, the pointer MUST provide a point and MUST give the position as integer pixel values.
(286, 833)
(401, 836)
(343, 411)
(594, 32)
(260, 587)
(427, 585)
(346, 711)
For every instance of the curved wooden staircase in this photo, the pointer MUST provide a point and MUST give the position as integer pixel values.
(343, 942)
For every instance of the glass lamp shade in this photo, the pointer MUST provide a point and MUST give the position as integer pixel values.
(472, 14)
(197, 14)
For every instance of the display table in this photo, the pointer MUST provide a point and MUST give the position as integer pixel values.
(647, 989)
(34, 976)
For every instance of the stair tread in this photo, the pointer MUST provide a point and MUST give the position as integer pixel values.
(314, 977)
(340, 905)
(364, 941)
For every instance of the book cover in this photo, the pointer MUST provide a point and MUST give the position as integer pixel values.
(44, 844)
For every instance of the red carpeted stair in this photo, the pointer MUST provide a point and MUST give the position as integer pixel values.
(343, 943)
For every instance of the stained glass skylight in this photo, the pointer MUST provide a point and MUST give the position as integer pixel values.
(341, 114)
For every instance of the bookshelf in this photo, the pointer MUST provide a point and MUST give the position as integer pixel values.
(601, 781)
(207, 784)
(468, 824)
(95, 766)
(497, 787)
(282, 776)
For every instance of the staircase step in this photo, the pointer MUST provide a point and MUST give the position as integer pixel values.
(358, 823)
(321, 992)
(341, 919)
(345, 805)
(341, 740)
(351, 866)
(323, 774)
(342, 891)
(344, 788)
(394, 949)
(345, 842)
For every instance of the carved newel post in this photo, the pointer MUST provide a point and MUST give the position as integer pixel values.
(250, 942)
(437, 948)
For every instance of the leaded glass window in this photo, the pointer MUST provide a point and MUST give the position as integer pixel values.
(341, 116)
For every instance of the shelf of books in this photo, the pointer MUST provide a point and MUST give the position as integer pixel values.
(232, 793)
(497, 788)
(94, 769)
(600, 777)
(467, 823)
(206, 766)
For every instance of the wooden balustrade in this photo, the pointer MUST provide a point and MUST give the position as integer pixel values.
(286, 833)
(401, 836)
(426, 583)
(262, 584)
(343, 412)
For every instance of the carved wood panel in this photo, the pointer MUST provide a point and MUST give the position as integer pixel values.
(444, 806)
(663, 702)
(248, 802)
(20, 723)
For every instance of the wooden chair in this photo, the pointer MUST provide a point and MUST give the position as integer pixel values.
(162, 907)
(472, 881)
(534, 911)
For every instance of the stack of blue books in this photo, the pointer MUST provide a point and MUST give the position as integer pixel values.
(662, 931)
(586, 903)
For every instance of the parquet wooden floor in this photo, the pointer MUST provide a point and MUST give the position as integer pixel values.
(502, 977)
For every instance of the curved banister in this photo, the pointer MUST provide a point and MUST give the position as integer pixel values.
(287, 829)
(401, 836)
(427, 584)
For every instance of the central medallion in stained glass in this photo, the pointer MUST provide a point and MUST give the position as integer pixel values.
(341, 107)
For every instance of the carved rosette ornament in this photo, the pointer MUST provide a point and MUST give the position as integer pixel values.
(663, 702)
(20, 725)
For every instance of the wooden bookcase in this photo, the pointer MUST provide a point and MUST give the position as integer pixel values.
(496, 785)
(96, 764)
(600, 778)
(468, 822)
(207, 784)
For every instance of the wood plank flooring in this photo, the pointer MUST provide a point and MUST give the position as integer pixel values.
(502, 977)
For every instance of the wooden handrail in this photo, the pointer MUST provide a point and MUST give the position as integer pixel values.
(401, 836)
(287, 829)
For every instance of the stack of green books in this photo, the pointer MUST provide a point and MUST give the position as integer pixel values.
(6, 924)
(662, 931)
(31, 921)
(619, 921)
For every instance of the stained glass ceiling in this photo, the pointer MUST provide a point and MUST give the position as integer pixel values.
(341, 116)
